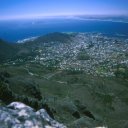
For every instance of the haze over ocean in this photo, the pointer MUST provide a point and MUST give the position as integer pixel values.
(21, 19)
(16, 30)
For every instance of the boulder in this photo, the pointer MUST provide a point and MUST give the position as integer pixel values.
(19, 115)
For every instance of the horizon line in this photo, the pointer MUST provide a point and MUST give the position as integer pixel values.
(25, 17)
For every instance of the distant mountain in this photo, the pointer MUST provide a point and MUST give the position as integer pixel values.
(7, 50)
(27, 49)
(59, 37)
(51, 37)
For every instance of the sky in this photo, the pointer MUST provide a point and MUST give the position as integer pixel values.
(15, 9)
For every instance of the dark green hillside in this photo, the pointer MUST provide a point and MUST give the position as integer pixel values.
(54, 37)
(7, 50)
(30, 49)
(81, 86)
(74, 98)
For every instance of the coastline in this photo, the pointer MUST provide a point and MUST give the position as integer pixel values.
(94, 19)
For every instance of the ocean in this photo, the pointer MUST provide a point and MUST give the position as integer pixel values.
(15, 30)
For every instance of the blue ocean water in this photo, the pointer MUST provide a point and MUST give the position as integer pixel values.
(15, 30)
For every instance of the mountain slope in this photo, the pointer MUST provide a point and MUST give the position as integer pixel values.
(81, 78)
(6, 50)
(30, 48)
(59, 37)
(48, 38)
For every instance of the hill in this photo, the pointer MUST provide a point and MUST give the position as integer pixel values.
(7, 50)
(79, 78)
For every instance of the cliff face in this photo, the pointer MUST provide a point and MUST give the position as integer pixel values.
(19, 115)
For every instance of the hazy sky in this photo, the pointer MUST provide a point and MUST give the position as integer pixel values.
(37, 8)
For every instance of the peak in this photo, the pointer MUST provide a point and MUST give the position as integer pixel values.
(54, 37)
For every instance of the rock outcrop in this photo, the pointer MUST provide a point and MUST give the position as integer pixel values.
(19, 115)
(8, 96)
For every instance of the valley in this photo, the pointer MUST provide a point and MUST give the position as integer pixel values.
(82, 77)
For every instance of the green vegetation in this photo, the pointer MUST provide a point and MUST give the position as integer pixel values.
(83, 56)
(55, 37)
(6, 51)
(75, 98)
(79, 81)
(121, 72)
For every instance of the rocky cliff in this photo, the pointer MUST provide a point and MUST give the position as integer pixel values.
(19, 115)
